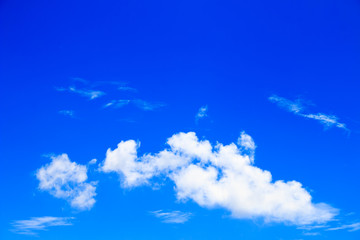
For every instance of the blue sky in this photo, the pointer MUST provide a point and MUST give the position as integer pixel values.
(180, 120)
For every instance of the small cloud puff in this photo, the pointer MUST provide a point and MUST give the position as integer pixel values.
(202, 113)
(92, 161)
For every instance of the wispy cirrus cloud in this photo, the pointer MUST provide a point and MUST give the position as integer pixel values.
(144, 105)
(297, 107)
(88, 93)
(122, 86)
(127, 88)
(291, 106)
(35, 224)
(327, 120)
(67, 180)
(147, 106)
(350, 227)
(117, 103)
(172, 216)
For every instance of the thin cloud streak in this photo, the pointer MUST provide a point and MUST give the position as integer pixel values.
(68, 113)
(91, 94)
(172, 217)
(350, 227)
(117, 103)
(147, 106)
(144, 105)
(297, 108)
(122, 86)
(129, 89)
(35, 224)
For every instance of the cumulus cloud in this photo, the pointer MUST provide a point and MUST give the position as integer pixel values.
(91, 94)
(172, 217)
(297, 108)
(35, 224)
(201, 113)
(67, 180)
(220, 176)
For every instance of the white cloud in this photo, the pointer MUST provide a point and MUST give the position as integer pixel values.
(350, 227)
(172, 217)
(218, 176)
(297, 107)
(91, 94)
(327, 120)
(147, 106)
(291, 106)
(67, 113)
(117, 103)
(247, 144)
(92, 161)
(144, 105)
(67, 180)
(35, 224)
(126, 88)
(201, 113)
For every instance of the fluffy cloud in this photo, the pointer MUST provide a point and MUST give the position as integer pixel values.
(35, 224)
(297, 108)
(67, 180)
(220, 176)
(172, 217)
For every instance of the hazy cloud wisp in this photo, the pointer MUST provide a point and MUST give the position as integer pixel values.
(172, 217)
(297, 108)
(35, 224)
(202, 113)
(91, 94)
(68, 113)
(142, 104)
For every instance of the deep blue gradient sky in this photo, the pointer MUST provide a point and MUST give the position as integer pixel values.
(230, 56)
